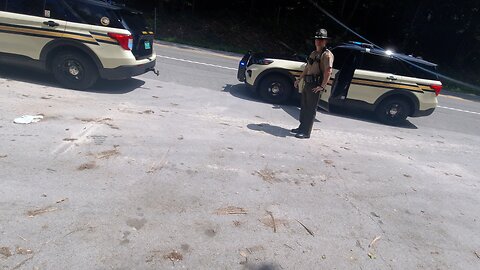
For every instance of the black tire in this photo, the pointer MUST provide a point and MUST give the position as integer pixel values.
(275, 89)
(74, 70)
(393, 111)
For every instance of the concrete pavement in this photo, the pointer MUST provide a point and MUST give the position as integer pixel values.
(190, 171)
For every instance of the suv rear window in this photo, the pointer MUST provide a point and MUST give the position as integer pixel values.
(26, 7)
(92, 13)
(389, 64)
(420, 73)
(379, 63)
(132, 20)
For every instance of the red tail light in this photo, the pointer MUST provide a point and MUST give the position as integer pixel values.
(437, 88)
(125, 41)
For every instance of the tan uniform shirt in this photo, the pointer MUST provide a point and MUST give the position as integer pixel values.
(318, 67)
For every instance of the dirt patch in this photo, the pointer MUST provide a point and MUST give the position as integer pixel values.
(69, 140)
(104, 121)
(112, 126)
(328, 162)
(174, 256)
(41, 211)
(268, 176)
(108, 154)
(23, 251)
(5, 251)
(130, 111)
(273, 223)
(87, 166)
(237, 223)
(86, 120)
(231, 210)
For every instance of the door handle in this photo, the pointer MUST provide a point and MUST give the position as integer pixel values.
(51, 23)
(393, 78)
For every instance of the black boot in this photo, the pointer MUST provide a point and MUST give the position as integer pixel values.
(296, 130)
(302, 135)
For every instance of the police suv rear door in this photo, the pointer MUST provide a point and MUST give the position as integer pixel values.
(374, 77)
(340, 56)
(26, 26)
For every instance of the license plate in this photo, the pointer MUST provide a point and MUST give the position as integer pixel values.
(148, 45)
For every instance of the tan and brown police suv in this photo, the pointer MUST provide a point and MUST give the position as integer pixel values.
(78, 41)
(394, 86)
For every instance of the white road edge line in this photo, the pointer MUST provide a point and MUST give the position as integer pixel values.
(193, 62)
(458, 110)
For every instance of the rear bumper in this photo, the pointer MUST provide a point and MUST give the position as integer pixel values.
(423, 113)
(125, 72)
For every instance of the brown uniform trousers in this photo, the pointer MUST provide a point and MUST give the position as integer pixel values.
(309, 103)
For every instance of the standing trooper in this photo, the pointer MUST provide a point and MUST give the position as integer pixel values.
(316, 75)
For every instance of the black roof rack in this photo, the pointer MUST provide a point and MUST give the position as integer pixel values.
(362, 44)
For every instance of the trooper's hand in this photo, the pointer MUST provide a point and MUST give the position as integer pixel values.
(317, 89)
(295, 84)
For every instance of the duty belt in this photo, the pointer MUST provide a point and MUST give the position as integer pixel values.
(312, 79)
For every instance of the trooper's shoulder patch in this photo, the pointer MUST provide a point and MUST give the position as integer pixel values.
(105, 21)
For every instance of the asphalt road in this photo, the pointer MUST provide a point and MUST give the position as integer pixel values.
(456, 112)
(188, 170)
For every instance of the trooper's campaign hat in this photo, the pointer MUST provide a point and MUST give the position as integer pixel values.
(321, 34)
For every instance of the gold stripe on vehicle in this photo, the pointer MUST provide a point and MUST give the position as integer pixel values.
(388, 85)
(426, 88)
(47, 34)
(89, 39)
(97, 37)
(31, 31)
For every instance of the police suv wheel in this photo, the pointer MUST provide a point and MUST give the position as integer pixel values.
(74, 70)
(275, 89)
(393, 111)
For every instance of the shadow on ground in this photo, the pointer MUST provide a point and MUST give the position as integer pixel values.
(270, 129)
(265, 266)
(365, 116)
(292, 108)
(41, 78)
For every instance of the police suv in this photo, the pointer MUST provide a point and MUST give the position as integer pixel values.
(78, 41)
(392, 85)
